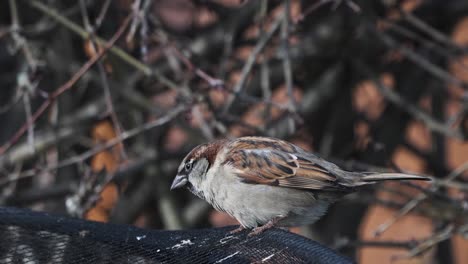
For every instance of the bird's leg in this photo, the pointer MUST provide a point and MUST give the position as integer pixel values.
(260, 229)
(237, 230)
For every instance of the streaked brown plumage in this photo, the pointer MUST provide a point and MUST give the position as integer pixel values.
(266, 181)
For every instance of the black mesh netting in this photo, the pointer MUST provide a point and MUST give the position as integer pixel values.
(32, 237)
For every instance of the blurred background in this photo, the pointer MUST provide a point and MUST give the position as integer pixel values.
(101, 100)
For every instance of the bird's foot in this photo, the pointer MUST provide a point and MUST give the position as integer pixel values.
(261, 229)
(237, 230)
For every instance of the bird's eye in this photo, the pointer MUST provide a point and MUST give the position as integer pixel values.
(188, 166)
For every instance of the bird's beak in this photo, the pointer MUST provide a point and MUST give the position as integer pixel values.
(179, 181)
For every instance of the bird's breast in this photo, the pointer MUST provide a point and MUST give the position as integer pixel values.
(256, 204)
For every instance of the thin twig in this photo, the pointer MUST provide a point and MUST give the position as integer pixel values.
(144, 29)
(212, 81)
(455, 173)
(320, 3)
(108, 144)
(265, 83)
(410, 205)
(250, 62)
(135, 21)
(425, 42)
(13, 100)
(429, 243)
(402, 212)
(419, 60)
(75, 28)
(27, 110)
(124, 136)
(14, 15)
(312, 8)
(65, 87)
(104, 79)
(9, 191)
(423, 26)
(20, 41)
(102, 13)
(287, 70)
(200, 119)
(414, 111)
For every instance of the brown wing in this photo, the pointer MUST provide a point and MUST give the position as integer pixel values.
(281, 168)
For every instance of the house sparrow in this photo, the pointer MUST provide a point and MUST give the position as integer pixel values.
(265, 182)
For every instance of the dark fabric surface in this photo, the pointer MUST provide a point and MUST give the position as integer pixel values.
(33, 237)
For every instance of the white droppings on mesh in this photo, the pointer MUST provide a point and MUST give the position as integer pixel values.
(269, 257)
(225, 239)
(272, 255)
(227, 257)
(182, 244)
(140, 237)
(83, 233)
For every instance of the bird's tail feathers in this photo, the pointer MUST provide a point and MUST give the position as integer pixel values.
(375, 177)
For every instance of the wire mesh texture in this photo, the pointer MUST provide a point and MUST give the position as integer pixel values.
(37, 237)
